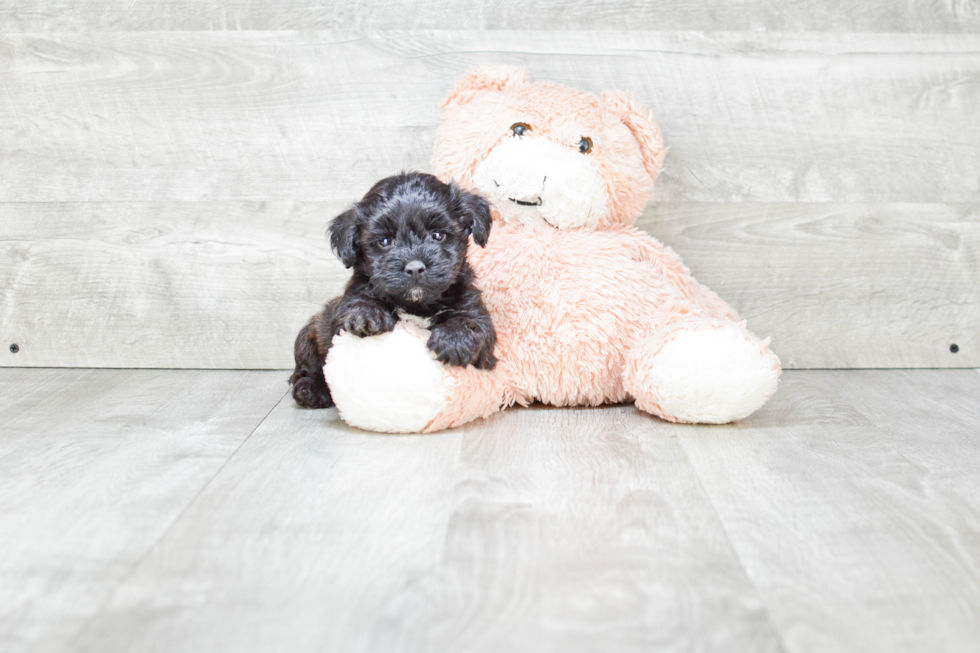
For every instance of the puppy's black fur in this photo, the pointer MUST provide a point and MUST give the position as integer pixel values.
(406, 241)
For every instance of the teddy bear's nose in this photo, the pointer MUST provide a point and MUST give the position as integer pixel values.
(415, 268)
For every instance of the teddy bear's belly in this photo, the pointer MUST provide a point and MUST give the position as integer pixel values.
(567, 325)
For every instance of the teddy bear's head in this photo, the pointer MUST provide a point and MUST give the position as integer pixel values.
(546, 154)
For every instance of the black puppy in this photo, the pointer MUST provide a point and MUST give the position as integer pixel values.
(406, 241)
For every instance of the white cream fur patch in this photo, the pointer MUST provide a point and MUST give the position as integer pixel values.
(387, 383)
(714, 376)
(561, 185)
(417, 320)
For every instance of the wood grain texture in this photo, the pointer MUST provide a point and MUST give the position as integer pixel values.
(310, 529)
(852, 499)
(841, 517)
(538, 530)
(955, 16)
(852, 286)
(163, 195)
(95, 467)
(229, 284)
(188, 116)
(578, 530)
(186, 285)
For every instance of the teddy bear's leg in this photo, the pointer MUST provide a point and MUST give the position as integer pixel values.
(391, 384)
(701, 371)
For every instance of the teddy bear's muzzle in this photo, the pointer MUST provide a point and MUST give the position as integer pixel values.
(519, 174)
(537, 201)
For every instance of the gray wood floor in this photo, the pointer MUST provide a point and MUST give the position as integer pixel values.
(158, 510)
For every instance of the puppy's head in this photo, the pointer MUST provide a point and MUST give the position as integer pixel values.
(409, 235)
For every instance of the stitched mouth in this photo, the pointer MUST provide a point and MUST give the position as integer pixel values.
(537, 202)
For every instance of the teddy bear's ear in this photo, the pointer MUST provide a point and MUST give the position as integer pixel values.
(344, 233)
(644, 127)
(479, 80)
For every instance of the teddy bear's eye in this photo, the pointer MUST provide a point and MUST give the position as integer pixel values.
(519, 128)
(385, 242)
(585, 145)
(438, 236)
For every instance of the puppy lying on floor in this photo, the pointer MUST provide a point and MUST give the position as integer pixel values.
(406, 241)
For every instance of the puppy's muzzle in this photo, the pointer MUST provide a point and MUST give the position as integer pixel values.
(414, 271)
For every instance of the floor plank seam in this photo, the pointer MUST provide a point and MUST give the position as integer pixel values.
(714, 509)
(149, 550)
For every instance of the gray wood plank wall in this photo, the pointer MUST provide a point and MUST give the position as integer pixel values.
(950, 16)
(164, 189)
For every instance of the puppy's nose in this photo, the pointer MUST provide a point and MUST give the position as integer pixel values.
(414, 268)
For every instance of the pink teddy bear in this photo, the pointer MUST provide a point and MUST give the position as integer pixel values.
(588, 309)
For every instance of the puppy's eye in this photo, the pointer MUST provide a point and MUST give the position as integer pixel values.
(585, 145)
(438, 236)
(519, 128)
(385, 242)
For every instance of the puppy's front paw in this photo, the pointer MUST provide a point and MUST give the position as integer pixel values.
(368, 320)
(461, 342)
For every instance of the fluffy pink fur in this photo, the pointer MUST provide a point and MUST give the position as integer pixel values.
(591, 308)
(583, 313)
(579, 312)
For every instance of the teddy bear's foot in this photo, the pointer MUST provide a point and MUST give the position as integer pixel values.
(705, 376)
(387, 383)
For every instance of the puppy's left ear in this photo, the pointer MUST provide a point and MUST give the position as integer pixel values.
(344, 234)
(473, 213)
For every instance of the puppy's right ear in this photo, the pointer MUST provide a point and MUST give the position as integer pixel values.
(344, 233)
(473, 213)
